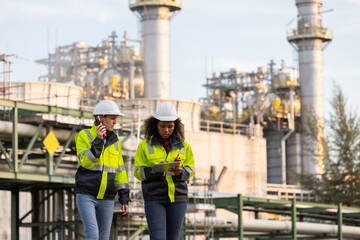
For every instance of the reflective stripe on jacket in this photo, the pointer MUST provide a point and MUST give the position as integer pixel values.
(101, 171)
(157, 187)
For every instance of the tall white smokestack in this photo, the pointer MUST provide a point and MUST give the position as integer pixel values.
(155, 16)
(309, 39)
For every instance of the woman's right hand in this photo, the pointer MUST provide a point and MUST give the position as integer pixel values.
(176, 170)
(101, 131)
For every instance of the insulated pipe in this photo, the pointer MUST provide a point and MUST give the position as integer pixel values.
(283, 156)
(301, 227)
(28, 130)
(267, 226)
(283, 140)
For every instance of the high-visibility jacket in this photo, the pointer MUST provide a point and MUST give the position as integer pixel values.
(158, 186)
(101, 171)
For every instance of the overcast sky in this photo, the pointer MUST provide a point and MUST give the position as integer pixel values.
(206, 36)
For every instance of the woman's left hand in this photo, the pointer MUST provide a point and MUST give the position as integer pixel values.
(176, 170)
(124, 209)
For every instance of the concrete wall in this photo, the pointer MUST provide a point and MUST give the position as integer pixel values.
(245, 159)
(5, 215)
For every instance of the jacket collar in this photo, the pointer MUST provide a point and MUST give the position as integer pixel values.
(174, 142)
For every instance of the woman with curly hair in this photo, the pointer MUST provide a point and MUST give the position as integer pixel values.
(165, 194)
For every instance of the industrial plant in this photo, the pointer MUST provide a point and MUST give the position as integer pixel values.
(246, 135)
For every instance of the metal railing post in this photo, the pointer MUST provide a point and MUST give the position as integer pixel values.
(339, 221)
(293, 219)
(240, 227)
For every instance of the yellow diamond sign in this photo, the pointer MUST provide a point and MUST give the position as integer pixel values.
(51, 143)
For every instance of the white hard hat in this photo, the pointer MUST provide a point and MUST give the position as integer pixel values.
(107, 107)
(166, 112)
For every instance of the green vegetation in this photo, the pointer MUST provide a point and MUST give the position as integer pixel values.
(340, 181)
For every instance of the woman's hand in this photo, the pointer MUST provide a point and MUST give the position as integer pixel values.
(101, 131)
(176, 170)
(125, 209)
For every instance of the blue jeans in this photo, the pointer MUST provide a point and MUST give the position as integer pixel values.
(165, 220)
(96, 215)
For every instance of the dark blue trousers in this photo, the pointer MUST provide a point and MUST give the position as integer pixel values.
(165, 220)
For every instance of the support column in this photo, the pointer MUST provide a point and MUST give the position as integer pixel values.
(15, 139)
(36, 216)
(49, 159)
(15, 215)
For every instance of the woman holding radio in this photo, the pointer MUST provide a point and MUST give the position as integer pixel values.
(165, 194)
(101, 172)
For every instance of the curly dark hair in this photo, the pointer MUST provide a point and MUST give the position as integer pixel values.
(151, 130)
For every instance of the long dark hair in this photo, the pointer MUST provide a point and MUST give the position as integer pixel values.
(151, 130)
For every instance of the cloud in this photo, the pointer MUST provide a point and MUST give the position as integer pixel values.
(356, 2)
(236, 6)
(18, 9)
(223, 64)
(101, 11)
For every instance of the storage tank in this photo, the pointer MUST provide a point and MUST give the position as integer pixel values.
(52, 94)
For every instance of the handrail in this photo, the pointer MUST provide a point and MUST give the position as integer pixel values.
(250, 130)
(171, 3)
(313, 31)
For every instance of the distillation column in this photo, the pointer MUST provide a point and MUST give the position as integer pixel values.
(309, 39)
(155, 16)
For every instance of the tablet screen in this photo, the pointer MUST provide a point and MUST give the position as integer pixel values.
(164, 167)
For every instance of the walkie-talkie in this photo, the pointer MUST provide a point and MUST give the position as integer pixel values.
(97, 123)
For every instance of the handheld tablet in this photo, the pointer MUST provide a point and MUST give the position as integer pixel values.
(164, 167)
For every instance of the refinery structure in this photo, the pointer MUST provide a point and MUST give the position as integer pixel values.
(246, 134)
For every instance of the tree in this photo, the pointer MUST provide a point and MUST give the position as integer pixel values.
(340, 181)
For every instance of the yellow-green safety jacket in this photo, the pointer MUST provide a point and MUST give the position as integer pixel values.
(101, 171)
(158, 186)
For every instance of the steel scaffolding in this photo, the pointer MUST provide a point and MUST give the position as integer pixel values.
(27, 168)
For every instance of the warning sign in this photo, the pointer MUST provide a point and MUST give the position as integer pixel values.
(51, 143)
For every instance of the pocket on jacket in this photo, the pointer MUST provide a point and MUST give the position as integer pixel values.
(181, 188)
(146, 189)
(111, 187)
(113, 152)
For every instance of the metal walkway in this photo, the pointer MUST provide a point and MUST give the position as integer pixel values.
(49, 180)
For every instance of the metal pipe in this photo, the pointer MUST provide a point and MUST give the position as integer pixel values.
(283, 140)
(131, 78)
(138, 232)
(28, 130)
(283, 156)
(267, 226)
